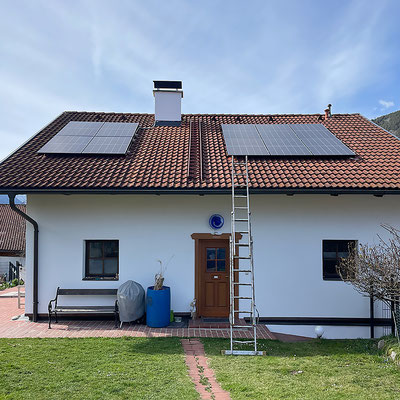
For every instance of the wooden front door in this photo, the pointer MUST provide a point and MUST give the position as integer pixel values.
(214, 278)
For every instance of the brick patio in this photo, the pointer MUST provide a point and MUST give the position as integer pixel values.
(81, 328)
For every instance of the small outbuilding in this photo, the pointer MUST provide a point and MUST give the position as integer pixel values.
(12, 238)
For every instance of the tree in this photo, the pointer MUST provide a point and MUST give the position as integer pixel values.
(374, 271)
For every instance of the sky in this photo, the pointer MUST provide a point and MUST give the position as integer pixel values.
(253, 57)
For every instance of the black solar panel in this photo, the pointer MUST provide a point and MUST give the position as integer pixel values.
(281, 141)
(66, 144)
(112, 129)
(320, 140)
(80, 128)
(92, 138)
(108, 145)
(243, 140)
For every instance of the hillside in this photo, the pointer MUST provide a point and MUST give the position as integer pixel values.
(390, 122)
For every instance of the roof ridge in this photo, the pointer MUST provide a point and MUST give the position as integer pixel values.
(210, 114)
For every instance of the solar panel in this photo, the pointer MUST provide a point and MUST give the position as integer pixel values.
(112, 129)
(108, 145)
(66, 144)
(281, 141)
(79, 137)
(320, 140)
(80, 128)
(243, 140)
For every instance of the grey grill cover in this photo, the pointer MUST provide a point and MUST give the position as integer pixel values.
(130, 301)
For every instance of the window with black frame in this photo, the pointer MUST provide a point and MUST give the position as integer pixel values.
(332, 252)
(102, 259)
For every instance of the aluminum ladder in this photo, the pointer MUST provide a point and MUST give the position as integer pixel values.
(242, 291)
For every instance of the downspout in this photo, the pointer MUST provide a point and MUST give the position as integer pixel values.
(35, 253)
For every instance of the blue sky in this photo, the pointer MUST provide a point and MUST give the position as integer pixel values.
(232, 56)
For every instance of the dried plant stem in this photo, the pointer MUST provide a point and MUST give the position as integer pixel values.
(159, 277)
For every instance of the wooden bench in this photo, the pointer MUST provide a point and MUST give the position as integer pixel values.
(55, 308)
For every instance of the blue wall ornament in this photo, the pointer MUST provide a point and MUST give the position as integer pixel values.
(216, 221)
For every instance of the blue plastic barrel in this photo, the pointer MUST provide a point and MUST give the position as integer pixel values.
(158, 306)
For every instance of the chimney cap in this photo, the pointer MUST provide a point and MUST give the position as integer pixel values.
(167, 84)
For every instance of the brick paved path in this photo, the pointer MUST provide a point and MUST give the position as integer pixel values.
(200, 372)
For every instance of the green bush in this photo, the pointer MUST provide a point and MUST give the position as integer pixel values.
(392, 349)
(13, 283)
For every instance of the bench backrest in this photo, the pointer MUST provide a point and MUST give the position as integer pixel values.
(87, 292)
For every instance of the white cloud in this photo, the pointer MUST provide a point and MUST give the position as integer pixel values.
(386, 103)
(349, 62)
(97, 56)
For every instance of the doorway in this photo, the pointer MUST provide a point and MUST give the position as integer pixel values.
(212, 275)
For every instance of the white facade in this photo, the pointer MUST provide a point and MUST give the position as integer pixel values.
(287, 231)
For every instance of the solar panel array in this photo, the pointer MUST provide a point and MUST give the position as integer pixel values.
(282, 140)
(81, 137)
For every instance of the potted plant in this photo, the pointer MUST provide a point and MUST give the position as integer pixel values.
(158, 302)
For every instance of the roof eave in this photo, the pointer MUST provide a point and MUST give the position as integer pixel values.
(212, 191)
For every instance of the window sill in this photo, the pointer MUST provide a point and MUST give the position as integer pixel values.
(100, 279)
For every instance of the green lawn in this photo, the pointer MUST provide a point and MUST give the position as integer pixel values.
(320, 369)
(154, 368)
(94, 368)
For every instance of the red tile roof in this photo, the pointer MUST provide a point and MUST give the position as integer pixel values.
(12, 231)
(160, 159)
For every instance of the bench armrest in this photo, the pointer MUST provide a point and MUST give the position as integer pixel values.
(49, 306)
(53, 301)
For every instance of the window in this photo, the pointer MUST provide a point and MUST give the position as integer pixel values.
(216, 259)
(332, 252)
(101, 259)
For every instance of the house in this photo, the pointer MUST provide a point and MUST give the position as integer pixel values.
(12, 238)
(107, 215)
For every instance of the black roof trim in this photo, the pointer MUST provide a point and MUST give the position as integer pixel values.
(159, 191)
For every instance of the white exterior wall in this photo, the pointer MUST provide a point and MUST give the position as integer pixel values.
(287, 231)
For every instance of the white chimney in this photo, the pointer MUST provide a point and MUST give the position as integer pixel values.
(168, 97)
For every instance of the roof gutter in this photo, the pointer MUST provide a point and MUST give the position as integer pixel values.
(11, 197)
(214, 191)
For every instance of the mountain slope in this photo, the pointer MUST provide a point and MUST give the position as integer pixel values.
(390, 122)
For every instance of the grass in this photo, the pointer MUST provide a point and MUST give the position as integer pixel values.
(94, 368)
(154, 368)
(319, 369)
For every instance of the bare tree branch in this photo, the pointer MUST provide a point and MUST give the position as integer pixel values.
(375, 270)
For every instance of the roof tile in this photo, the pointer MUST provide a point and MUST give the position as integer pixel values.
(12, 230)
(158, 158)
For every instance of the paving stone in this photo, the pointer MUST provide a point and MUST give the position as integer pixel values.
(199, 358)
